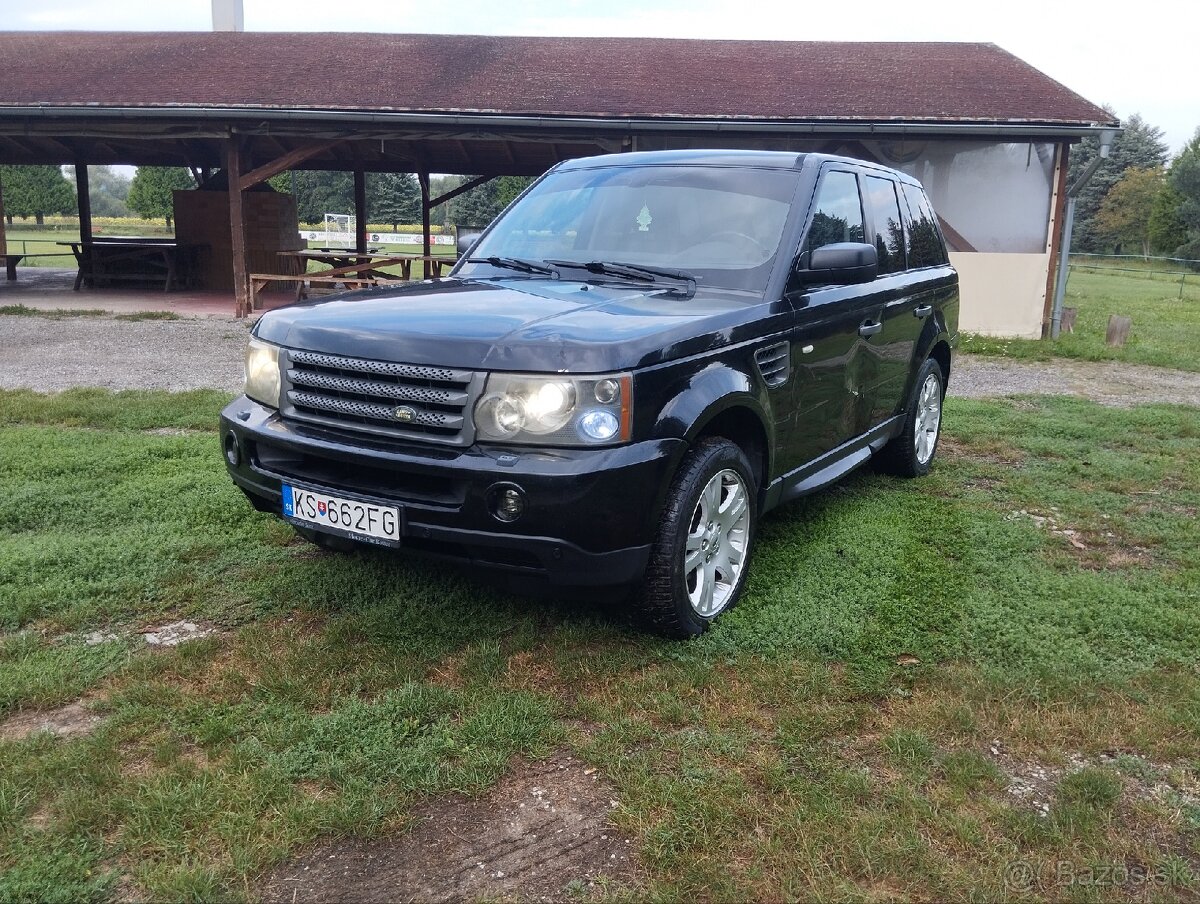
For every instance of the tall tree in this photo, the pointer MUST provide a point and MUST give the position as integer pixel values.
(1166, 227)
(36, 191)
(152, 192)
(1185, 180)
(318, 192)
(393, 198)
(108, 189)
(1140, 145)
(1124, 214)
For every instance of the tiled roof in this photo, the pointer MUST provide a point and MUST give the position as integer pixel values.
(589, 77)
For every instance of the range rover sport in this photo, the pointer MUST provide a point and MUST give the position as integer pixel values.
(643, 354)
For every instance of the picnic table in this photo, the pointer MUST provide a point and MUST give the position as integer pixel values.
(11, 260)
(126, 257)
(369, 265)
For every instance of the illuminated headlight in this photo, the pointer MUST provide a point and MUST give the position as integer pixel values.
(262, 372)
(555, 410)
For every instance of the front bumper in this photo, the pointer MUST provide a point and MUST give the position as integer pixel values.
(590, 514)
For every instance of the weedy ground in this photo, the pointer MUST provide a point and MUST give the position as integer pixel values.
(933, 689)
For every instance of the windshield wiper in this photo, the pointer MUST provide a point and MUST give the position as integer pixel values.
(620, 269)
(515, 263)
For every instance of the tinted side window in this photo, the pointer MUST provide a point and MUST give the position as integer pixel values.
(889, 227)
(838, 216)
(926, 248)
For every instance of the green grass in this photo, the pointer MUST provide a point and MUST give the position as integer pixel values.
(1165, 332)
(830, 738)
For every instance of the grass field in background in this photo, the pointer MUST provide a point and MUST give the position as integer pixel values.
(1166, 326)
(835, 737)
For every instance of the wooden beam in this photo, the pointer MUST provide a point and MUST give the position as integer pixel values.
(360, 210)
(423, 178)
(85, 203)
(237, 225)
(3, 237)
(462, 189)
(285, 162)
(1057, 204)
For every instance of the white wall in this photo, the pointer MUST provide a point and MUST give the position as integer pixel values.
(1002, 294)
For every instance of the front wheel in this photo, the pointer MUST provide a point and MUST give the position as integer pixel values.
(698, 563)
(911, 453)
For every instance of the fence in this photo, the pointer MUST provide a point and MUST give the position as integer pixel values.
(1158, 268)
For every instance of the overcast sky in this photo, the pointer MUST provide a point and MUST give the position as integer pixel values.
(1140, 60)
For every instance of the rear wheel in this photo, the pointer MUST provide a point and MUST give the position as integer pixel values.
(911, 453)
(698, 563)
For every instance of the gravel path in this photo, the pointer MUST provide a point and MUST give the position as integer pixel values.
(53, 354)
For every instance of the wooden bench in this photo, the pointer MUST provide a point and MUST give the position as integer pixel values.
(11, 261)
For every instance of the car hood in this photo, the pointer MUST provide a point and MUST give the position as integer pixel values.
(534, 324)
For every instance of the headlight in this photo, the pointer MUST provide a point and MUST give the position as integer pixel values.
(262, 372)
(555, 410)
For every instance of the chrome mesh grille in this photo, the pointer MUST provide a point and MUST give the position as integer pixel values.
(409, 401)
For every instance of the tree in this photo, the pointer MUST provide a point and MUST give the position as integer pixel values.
(1140, 145)
(152, 192)
(1124, 214)
(318, 192)
(35, 191)
(108, 190)
(393, 198)
(1167, 229)
(1185, 181)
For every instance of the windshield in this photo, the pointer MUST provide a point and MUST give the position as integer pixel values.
(722, 225)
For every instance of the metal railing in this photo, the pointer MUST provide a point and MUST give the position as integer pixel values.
(1153, 268)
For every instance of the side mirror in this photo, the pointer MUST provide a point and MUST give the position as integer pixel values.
(839, 264)
(466, 242)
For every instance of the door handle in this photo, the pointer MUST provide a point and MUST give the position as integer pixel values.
(923, 311)
(869, 328)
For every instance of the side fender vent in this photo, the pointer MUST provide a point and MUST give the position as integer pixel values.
(774, 363)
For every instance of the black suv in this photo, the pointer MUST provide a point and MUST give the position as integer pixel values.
(638, 358)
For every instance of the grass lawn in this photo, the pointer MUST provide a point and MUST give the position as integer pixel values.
(844, 734)
(1166, 327)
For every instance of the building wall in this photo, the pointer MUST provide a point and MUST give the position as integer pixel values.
(202, 218)
(1002, 294)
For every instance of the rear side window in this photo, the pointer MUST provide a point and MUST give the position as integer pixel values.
(889, 226)
(838, 216)
(925, 242)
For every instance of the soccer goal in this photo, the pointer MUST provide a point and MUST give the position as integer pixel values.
(339, 230)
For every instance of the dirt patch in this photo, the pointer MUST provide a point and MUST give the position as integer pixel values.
(543, 834)
(70, 721)
(174, 634)
(1110, 383)
(1094, 549)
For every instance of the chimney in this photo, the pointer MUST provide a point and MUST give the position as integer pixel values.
(227, 15)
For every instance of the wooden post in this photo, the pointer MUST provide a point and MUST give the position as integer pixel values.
(3, 237)
(360, 210)
(1068, 320)
(423, 178)
(85, 202)
(1118, 331)
(1054, 248)
(237, 226)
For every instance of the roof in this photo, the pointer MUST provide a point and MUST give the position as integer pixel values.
(789, 160)
(536, 76)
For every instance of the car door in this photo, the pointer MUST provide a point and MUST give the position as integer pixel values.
(888, 355)
(826, 345)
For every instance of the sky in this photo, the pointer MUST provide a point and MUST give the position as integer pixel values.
(1142, 60)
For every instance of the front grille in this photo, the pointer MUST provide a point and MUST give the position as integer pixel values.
(366, 396)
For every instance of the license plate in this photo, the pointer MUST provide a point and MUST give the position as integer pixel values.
(335, 514)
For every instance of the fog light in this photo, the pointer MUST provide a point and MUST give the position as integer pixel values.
(507, 502)
(233, 454)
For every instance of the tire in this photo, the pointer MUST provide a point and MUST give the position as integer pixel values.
(911, 453)
(709, 523)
